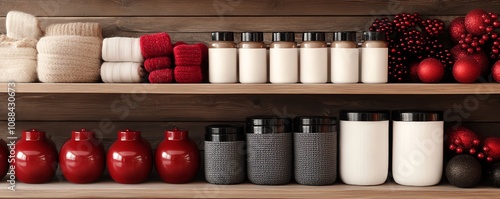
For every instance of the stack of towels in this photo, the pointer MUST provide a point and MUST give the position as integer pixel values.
(123, 60)
(191, 63)
(157, 50)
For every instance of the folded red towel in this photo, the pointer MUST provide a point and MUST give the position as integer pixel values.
(157, 63)
(188, 55)
(156, 45)
(188, 74)
(161, 76)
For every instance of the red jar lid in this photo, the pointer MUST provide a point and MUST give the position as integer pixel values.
(176, 134)
(82, 135)
(129, 135)
(33, 135)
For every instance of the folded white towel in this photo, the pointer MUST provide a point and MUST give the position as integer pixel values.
(20, 25)
(122, 49)
(122, 72)
(17, 60)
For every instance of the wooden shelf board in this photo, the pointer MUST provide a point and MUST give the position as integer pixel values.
(102, 88)
(205, 190)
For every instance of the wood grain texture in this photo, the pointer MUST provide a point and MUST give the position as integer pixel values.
(203, 190)
(64, 8)
(216, 108)
(293, 89)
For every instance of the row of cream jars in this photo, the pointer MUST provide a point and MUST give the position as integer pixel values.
(284, 58)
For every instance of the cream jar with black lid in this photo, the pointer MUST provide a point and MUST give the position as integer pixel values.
(374, 58)
(313, 58)
(344, 57)
(252, 56)
(269, 148)
(222, 58)
(283, 59)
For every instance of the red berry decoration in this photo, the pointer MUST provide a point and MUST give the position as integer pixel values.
(491, 149)
(413, 72)
(463, 140)
(430, 70)
(495, 71)
(466, 70)
(480, 57)
(475, 22)
(457, 28)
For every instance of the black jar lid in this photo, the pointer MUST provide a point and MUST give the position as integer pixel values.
(313, 36)
(284, 36)
(374, 36)
(224, 133)
(268, 124)
(252, 36)
(417, 116)
(347, 115)
(344, 36)
(315, 124)
(222, 36)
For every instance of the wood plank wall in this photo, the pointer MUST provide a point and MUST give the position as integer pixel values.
(192, 21)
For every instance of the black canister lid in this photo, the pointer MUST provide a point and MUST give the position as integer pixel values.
(284, 36)
(364, 115)
(417, 116)
(224, 133)
(374, 36)
(315, 124)
(268, 124)
(222, 36)
(252, 36)
(344, 36)
(313, 36)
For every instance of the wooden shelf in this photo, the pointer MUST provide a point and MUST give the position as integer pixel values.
(204, 190)
(102, 88)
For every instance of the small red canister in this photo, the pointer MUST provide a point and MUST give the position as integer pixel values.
(82, 158)
(36, 157)
(130, 158)
(177, 158)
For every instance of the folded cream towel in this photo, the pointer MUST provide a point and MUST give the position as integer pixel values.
(20, 25)
(121, 72)
(17, 60)
(122, 49)
(76, 29)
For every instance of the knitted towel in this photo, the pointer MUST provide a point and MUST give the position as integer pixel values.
(75, 29)
(121, 72)
(157, 63)
(188, 55)
(122, 49)
(70, 59)
(17, 60)
(20, 25)
(188, 74)
(156, 45)
(161, 76)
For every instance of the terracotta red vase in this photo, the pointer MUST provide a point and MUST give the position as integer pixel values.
(4, 157)
(82, 158)
(36, 157)
(130, 158)
(177, 158)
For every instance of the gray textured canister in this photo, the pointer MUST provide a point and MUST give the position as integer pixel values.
(315, 150)
(224, 154)
(269, 147)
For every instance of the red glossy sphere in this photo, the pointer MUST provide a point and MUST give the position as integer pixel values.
(4, 156)
(130, 158)
(82, 158)
(177, 158)
(495, 71)
(36, 158)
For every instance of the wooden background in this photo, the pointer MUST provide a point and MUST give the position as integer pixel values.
(192, 21)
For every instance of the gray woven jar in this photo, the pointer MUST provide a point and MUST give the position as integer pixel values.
(224, 154)
(269, 147)
(315, 150)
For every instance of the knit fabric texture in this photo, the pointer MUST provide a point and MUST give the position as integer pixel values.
(122, 49)
(161, 76)
(20, 25)
(17, 60)
(157, 63)
(225, 162)
(75, 29)
(188, 55)
(122, 72)
(71, 59)
(188, 74)
(315, 158)
(156, 45)
(269, 158)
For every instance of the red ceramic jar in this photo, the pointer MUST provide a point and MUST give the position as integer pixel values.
(177, 158)
(82, 158)
(4, 156)
(130, 158)
(36, 157)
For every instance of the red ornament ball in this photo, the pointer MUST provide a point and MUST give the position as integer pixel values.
(457, 28)
(466, 70)
(491, 149)
(474, 22)
(462, 140)
(414, 72)
(495, 71)
(480, 57)
(430, 70)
